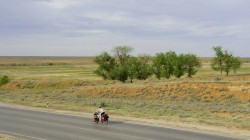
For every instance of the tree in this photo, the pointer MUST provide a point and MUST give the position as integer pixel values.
(225, 61)
(228, 60)
(179, 66)
(144, 59)
(192, 63)
(120, 73)
(139, 68)
(122, 53)
(217, 62)
(114, 68)
(144, 69)
(169, 62)
(158, 63)
(133, 67)
(236, 64)
(106, 65)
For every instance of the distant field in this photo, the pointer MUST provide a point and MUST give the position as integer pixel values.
(43, 61)
(69, 83)
(48, 68)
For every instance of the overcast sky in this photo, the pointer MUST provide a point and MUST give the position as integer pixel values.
(89, 27)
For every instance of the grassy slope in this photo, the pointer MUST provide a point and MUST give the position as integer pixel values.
(69, 83)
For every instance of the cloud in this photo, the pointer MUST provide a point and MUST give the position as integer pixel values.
(60, 4)
(136, 23)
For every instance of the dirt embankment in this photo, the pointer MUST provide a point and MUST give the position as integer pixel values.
(226, 89)
(184, 91)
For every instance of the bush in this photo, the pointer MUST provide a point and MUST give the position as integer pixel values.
(4, 80)
(103, 104)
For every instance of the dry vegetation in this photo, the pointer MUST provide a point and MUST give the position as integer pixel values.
(7, 137)
(69, 83)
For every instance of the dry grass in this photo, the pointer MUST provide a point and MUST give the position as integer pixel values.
(6, 137)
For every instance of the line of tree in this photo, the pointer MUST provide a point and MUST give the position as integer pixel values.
(225, 61)
(122, 66)
(169, 63)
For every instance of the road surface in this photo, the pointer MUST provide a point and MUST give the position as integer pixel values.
(44, 125)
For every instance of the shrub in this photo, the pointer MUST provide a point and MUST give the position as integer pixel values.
(4, 80)
(103, 104)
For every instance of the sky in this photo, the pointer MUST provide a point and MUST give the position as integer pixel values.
(89, 27)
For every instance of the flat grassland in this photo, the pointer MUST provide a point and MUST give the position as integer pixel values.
(69, 83)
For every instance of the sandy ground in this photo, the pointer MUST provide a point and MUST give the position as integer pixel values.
(186, 126)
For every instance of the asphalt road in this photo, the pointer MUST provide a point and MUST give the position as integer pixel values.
(42, 125)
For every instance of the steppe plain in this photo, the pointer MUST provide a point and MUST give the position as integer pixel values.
(208, 100)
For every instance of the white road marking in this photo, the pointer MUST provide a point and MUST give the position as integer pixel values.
(16, 134)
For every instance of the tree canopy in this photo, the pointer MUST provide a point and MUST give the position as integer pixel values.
(123, 66)
(225, 61)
